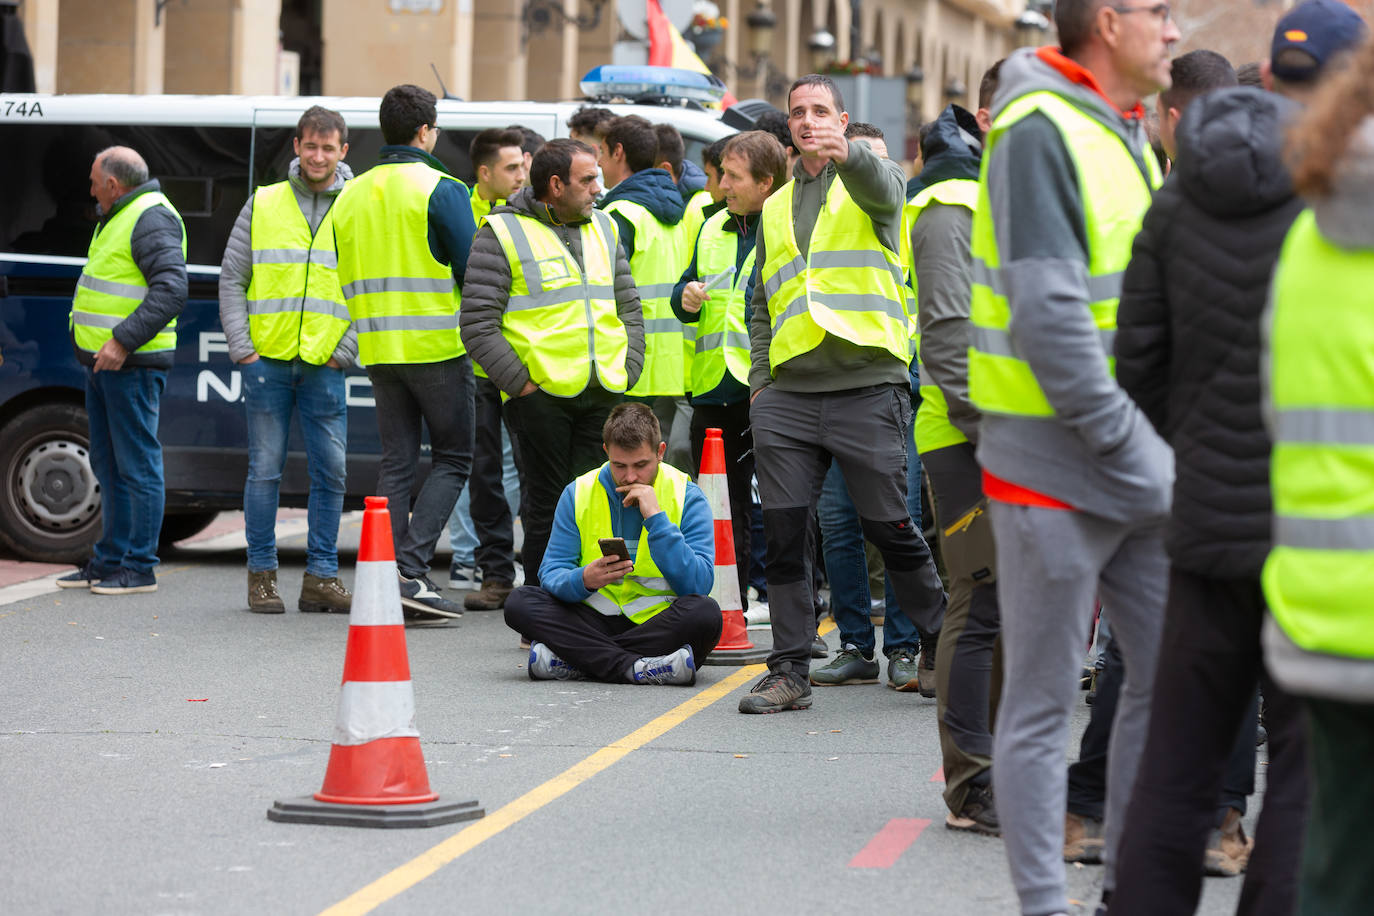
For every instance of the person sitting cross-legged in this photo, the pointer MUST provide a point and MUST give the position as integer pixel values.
(645, 620)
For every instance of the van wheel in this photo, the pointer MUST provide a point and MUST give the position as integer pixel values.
(178, 526)
(50, 499)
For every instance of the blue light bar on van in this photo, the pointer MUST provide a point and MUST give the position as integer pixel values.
(640, 83)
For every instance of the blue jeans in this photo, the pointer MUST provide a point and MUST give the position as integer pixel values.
(122, 409)
(273, 390)
(847, 567)
(462, 536)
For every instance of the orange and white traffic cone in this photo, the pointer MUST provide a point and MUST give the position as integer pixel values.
(734, 647)
(376, 775)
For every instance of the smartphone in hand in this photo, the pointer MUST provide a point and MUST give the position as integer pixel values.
(614, 547)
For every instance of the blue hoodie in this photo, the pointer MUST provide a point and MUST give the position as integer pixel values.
(685, 555)
(655, 191)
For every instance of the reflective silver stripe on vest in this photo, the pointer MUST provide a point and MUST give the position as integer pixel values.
(111, 288)
(96, 320)
(564, 296)
(294, 304)
(323, 257)
(862, 258)
(998, 342)
(1099, 289)
(729, 338)
(1356, 533)
(406, 323)
(689, 332)
(843, 302)
(399, 285)
(1329, 427)
(662, 326)
(656, 290)
(789, 271)
(603, 605)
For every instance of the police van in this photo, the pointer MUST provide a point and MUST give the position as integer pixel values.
(208, 152)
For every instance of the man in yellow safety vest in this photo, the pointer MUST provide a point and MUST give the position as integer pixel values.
(624, 586)
(288, 330)
(123, 325)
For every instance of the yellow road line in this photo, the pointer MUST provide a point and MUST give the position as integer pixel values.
(427, 863)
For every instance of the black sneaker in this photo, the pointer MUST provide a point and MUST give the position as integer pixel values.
(125, 582)
(777, 691)
(84, 577)
(422, 597)
(978, 815)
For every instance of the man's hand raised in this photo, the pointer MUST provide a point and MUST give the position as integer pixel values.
(641, 495)
(602, 571)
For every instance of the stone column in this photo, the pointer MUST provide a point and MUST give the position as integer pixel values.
(40, 30)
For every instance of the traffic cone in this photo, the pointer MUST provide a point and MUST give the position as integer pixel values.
(376, 775)
(734, 647)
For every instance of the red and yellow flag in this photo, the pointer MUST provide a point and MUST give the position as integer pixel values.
(667, 47)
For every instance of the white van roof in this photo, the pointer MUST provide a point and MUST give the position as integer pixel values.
(548, 118)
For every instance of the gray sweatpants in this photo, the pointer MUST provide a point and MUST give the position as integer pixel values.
(1051, 565)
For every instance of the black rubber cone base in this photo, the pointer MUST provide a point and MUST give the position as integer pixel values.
(737, 657)
(306, 810)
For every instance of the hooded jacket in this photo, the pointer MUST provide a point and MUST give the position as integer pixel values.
(942, 263)
(655, 191)
(486, 293)
(236, 269)
(1100, 455)
(1188, 328)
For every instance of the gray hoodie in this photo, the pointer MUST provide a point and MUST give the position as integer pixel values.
(486, 293)
(1098, 453)
(1345, 218)
(236, 269)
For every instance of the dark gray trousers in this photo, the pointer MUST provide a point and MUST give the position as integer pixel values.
(795, 437)
(440, 395)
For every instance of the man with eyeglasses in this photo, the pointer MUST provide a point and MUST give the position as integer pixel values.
(1078, 481)
(402, 231)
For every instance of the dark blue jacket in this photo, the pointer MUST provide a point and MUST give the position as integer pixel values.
(655, 191)
(952, 149)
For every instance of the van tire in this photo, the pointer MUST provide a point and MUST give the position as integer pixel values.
(49, 497)
(178, 526)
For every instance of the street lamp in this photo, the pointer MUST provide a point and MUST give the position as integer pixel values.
(540, 15)
(955, 89)
(915, 79)
(762, 23)
(822, 47)
(1031, 27)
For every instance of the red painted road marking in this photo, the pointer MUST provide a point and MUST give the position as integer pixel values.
(939, 775)
(888, 846)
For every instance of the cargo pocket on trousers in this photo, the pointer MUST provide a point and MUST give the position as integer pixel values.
(968, 548)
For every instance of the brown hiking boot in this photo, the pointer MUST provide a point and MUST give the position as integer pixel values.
(1228, 848)
(925, 670)
(324, 595)
(262, 593)
(491, 597)
(1083, 839)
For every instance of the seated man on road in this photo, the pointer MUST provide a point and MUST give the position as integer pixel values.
(645, 620)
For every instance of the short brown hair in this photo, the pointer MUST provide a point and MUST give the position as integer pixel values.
(763, 152)
(322, 121)
(631, 425)
(486, 147)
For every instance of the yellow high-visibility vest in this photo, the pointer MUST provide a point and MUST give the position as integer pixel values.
(295, 305)
(403, 302)
(722, 338)
(1115, 195)
(561, 319)
(848, 284)
(644, 592)
(111, 286)
(657, 266)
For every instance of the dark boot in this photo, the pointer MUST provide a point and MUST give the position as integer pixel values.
(262, 593)
(324, 595)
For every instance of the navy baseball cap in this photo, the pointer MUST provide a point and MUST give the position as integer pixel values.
(1320, 28)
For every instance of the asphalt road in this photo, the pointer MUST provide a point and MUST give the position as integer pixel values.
(143, 738)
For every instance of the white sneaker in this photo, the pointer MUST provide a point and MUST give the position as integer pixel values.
(545, 666)
(679, 668)
(465, 578)
(758, 614)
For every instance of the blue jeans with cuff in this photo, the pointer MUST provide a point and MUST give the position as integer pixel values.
(273, 390)
(126, 457)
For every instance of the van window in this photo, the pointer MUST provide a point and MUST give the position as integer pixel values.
(203, 171)
(274, 153)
